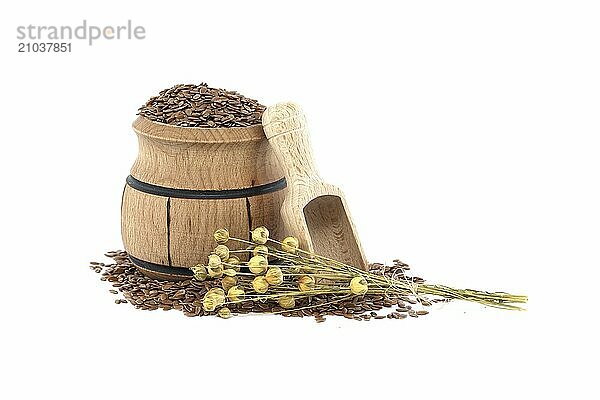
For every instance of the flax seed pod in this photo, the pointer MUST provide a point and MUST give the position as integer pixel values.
(287, 302)
(234, 263)
(224, 313)
(258, 265)
(222, 251)
(221, 236)
(290, 245)
(200, 272)
(236, 294)
(227, 282)
(260, 235)
(306, 283)
(261, 249)
(260, 284)
(274, 276)
(358, 285)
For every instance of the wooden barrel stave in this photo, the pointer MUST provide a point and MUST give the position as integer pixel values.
(194, 221)
(144, 225)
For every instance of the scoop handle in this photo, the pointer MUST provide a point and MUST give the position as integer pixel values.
(285, 127)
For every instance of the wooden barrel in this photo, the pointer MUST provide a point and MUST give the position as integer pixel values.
(188, 182)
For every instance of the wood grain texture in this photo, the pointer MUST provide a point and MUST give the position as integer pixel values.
(265, 211)
(172, 134)
(193, 223)
(202, 158)
(144, 226)
(178, 232)
(329, 226)
(313, 211)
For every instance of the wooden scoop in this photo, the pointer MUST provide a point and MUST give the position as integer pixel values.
(313, 211)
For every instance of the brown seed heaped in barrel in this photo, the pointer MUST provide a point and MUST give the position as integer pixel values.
(202, 106)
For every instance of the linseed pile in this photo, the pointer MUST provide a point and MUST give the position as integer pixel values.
(186, 296)
(202, 106)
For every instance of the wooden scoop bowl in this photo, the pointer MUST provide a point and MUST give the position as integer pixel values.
(313, 211)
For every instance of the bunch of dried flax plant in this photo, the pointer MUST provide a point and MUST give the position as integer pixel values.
(281, 272)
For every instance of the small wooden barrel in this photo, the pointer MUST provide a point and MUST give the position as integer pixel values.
(188, 182)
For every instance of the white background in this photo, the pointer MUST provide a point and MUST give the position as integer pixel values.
(464, 134)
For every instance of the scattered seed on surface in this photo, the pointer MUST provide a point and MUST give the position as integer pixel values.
(186, 296)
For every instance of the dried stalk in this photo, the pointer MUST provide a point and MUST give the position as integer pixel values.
(296, 274)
